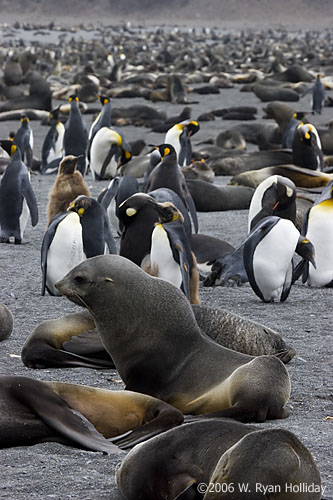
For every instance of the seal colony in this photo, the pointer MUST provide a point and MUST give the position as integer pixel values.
(169, 47)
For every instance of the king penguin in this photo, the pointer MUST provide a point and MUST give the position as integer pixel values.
(318, 228)
(73, 236)
(52, 149)
(24, 140)
(318, 95)
(179, 137)
(307, 150)
(167, 174)
(171, 257)
(103, 119)
(268, 257)
(17, 199)
(109, 151)
(75, 136)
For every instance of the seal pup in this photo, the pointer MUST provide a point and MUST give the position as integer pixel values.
(6, 322)
(68, 184)
(274, 463)
(75, 136)
(208, 197)
(268, 253)
(17, 200)
(34, 411)
(235, 385)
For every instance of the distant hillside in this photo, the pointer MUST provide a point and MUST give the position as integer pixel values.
(289, 13)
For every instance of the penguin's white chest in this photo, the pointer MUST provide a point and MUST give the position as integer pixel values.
(24, 217)
(320, 233)
(65, 251)
(272, 258)
(161, 256)
(99, 151)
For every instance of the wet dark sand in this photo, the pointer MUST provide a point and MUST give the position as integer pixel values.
(51, 470)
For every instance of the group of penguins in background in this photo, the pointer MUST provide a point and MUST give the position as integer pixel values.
(155, 223)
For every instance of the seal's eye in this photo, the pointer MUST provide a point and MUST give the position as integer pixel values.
(80, 280)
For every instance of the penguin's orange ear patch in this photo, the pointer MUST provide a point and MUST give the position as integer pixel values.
(80, 211)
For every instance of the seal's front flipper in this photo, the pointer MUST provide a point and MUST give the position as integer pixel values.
(53, 411)
(165, 419)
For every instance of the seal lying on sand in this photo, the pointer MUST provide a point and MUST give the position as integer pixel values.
(137, 315)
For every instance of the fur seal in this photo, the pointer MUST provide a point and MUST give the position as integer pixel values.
(6, 322)
(73, 340)
(208, 197)
(235, 385)
(287, 466)
(183, 461)
(302, 177)
(235, 164)
(68, 185)
(34, 411)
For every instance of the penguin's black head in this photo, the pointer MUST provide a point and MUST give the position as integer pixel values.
(306, 250)
(192, 128)
(81, 204)
(103, 99)
(165, 150)
(24, 118)
(73, 97)
(68, 164)
(125, 155)
(143, 203)
(7, 146)
(307, 134)
(54, 114)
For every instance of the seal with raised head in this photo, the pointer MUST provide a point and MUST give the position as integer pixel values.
(34, 411)
(235, 385)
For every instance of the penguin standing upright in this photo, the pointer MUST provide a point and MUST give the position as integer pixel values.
(109, 150)
(17, 199)
(318, 95)
(268, 253)
(103, 119)
(169, 175)
(68, 184)
(307, 151)
(24, 140)
(75, 136)
(52, 149)
(318, 228)
(288, 134)
(179, 137)
(78, 234)
(171, 257)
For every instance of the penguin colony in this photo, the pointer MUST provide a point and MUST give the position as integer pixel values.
(155, 214)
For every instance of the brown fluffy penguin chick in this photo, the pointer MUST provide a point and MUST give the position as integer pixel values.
(68, 185)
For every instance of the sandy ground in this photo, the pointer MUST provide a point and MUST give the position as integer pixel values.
(51, 470)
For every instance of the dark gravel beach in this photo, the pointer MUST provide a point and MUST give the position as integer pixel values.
(51, 470)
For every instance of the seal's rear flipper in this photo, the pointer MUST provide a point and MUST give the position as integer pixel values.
(53, 411)
(166, 419)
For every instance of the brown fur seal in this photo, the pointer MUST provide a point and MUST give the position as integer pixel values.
(235, 164)
(271, 463)
(302, 177)
(193, 373)
(34, 411)
(216, 458)
(73, 340)
(6, 322)
(69, 341)
(67, 186)
(208, 197)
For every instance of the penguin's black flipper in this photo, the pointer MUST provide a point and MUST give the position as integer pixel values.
(287, 283)
(299, 270)
(107, 196)
(30, 197)
(112, 152)
(51, 168)
(47, 240)
(191, 207)
(109, 239)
